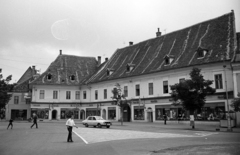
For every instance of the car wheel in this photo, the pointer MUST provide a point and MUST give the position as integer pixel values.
(108, 126)
(86, 125)
(99, 125)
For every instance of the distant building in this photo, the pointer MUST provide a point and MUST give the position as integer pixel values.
(82, 85)
(18, 108)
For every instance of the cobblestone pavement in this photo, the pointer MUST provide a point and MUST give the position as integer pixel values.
(95, 135)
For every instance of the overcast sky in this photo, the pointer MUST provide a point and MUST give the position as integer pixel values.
(33, 31)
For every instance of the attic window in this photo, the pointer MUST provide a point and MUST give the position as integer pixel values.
(109, 71)
(168, 59)
(49, 77)
(201, 52)
(130, 67)
(72, 77)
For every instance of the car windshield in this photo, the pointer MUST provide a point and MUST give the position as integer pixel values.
(99, 118)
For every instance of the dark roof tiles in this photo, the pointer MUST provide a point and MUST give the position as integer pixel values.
(215, 35)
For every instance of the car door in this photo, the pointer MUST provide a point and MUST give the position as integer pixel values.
(94, 121)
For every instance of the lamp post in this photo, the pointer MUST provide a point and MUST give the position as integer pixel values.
(225, 76)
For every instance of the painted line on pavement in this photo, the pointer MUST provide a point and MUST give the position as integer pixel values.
(81, 137)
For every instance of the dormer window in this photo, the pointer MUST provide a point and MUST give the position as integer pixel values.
(201, 52)
(109, 71)
(49, 76)
(168, 59)
(130, 67)
(72, 78)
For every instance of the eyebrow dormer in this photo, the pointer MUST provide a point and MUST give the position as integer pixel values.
(109, 71)
(201, 52)
(168, 59)
(72, 77)
(49, 76)
(130, 67)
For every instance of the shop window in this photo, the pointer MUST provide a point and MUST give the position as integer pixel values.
(42, 94)
(138, 113)
(125, 90)
(68, 95)
(137, 89)
(111, 113)
(150, 88)
(55, 94)
(105, 93)
(77, 95)
(165, 87)
(16, 99)
(218, 81)
(84, 95)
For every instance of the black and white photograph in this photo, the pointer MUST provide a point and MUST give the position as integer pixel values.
(120, 77)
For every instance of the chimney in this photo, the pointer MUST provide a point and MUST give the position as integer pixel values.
(34, 70)
(158, 34)
(99, 60)
(106, 59)
(130, 43)
(60, 52)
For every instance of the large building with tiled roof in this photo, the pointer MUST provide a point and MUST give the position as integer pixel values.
(82, 85)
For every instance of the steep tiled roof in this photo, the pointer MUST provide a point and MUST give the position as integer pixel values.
(216, 36)
(65, 66)
(23, 82)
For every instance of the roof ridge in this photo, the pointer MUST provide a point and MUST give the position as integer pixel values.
(179, 30)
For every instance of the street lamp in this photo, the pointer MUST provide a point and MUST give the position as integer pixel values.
(225, 76)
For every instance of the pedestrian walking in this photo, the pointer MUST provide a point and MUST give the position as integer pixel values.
(70, 124)
(35, 120)
(165, 119)
(10, 123)
(179, 117)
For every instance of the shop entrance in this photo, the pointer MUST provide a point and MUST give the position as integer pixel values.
(54, 114)
(149, 115)
(104, 114)
(126, 113)
(82, 114)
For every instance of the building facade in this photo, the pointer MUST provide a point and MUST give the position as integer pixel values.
(83, 86)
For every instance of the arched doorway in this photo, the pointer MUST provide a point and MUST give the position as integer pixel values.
(54, 114)
(149, 115)
(126, 113)
(104, 114)
(82, 114)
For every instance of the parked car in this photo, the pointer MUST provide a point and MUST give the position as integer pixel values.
(96, 121)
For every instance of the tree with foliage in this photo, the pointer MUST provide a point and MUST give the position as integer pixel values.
(5, 87)
(236, 103)
(119, 98)
(191, 93)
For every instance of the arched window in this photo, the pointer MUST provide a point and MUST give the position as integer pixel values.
(49, 76)
(72, 77)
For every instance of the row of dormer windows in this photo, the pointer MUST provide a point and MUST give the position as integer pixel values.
(50, 76)
(168, 59)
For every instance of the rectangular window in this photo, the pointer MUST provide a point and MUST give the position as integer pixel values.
(165, 87)
(96, 94)
(68, 95)
(218, 81)
(42, 94)
(16, 99)
(84, 95)
(105, 93)
(137, 90)
(125, 89)
(55, 94)
(77, 95)
(150, 88)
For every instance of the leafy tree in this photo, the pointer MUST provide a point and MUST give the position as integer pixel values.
(192, 93)
(236, 104)
(119, 98)
(5, 87)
